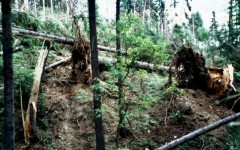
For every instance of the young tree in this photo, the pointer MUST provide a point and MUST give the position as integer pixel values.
(100, 143)
(121, 130)
(9, 125)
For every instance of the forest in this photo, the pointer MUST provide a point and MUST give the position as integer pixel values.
(143, 75)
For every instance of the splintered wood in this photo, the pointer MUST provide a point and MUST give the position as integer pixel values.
(30, 119)
(220, 79)
(191, 72)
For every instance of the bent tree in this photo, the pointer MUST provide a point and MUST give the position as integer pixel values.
(9, 124)
(100, 143)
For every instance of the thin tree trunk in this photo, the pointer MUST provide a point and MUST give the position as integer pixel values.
(26, 6)
(100, 142)
(35, 7)
(44, 12)
(144, 10)
(121, 130)
(9, 124)
(16, 5)
(199, 132)
(51, 8)
(230, 22)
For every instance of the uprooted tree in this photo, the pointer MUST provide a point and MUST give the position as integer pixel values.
(191, 72)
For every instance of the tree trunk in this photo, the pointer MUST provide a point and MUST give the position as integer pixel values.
(230, 22)
(198, 132)
(44, 12)
(75, 8)
(35, 8)
(100, 142)
(9, 124)
(16, 5)
(121, 130)
(30, 125)
(49, 37)
(26, 5)
(51, 8)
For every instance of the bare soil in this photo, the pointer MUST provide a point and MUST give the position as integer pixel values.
(68, 116)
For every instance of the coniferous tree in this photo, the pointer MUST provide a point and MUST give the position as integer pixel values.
(100, 142)
(121, 130)
(9, 125)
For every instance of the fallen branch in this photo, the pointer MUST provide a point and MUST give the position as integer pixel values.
(58, 63)
(30, 120)
(199, 132)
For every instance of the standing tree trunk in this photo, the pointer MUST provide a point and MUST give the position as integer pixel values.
(16, 5)
(121, 130)
(35, 8)
(230, 22)
(51, 8)
(100, 142)
(44, 12)
(9, 125)
(26, 6)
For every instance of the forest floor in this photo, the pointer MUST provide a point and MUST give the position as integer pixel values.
(67, 121)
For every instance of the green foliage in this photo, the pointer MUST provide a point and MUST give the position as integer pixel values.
(232, 141)
(174, 90)
(24, 78)
(52, 146)
(141, 46)
(202, 34)
(195, 21)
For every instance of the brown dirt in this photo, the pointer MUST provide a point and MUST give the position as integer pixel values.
(69, 116)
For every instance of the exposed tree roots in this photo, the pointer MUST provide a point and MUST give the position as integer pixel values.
(191, 72)
(81, 61)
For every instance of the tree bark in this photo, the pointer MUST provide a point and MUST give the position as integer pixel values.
(26, 5)
(58, 63)
(9, 124)
(49, 37)
(51, 8)
(106, 61)
(16, 5)
(30, 119)
(199, 132)
(100, 142)
(35, 8)
(121, 129)
(44, 12)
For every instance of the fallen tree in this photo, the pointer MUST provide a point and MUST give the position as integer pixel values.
(192, 72)
(105, 61)
(49, 37)
(199, 132)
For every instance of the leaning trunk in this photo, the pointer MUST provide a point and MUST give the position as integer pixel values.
(30, 125)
